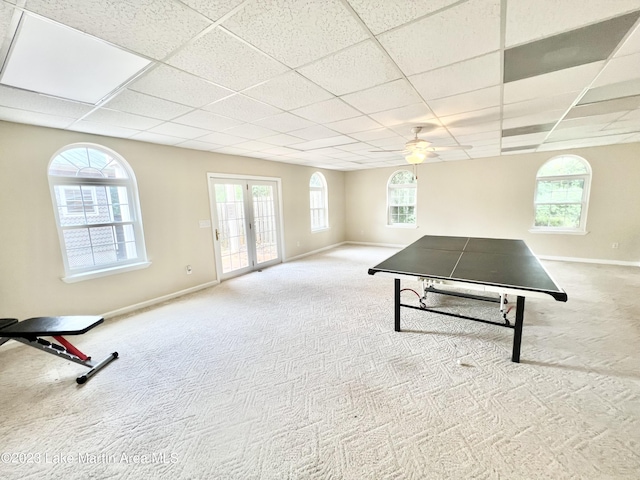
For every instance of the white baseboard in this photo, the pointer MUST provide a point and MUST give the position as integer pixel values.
(589, 260)
(155, 301)
(374, 244)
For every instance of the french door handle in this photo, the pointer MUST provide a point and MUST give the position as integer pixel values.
(217, 235)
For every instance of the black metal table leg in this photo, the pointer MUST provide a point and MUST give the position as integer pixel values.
(397, 304)
(517, 335)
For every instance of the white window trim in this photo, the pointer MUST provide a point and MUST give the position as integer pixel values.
(582, 228)
(415, 206)
(87, 273)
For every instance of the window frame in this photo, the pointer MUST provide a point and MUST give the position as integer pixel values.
(324, 210)
(581, 229)
(391, 187)
(75, 274)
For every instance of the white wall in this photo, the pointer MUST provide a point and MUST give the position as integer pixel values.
(174, 197)
(493, 197)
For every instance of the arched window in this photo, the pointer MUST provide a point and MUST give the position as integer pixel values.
(318, 202)
(562, 194)
(401, 198)
(95, 199)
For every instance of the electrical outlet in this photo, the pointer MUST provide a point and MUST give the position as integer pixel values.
(615, 245)
(188, 269)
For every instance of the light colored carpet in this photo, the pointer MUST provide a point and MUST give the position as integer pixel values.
(296, 373)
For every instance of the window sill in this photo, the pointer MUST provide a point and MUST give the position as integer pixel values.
(80, 277)
(400, 225)
(558, 231)
(318, 230)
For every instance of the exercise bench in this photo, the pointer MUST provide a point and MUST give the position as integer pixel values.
(29, 332)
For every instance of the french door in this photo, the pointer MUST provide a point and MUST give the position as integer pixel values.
(246, 224)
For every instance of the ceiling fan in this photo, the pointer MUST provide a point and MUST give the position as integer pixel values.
(418, 149)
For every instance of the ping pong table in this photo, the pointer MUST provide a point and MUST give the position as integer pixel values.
(497, 266)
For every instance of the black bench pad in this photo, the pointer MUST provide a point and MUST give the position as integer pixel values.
(50, 326)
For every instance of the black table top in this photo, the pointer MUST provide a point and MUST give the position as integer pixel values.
(51, 326)
(497, 262)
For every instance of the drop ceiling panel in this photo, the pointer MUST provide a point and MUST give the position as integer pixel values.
(222, 139)
(541, 104)
(251, 131)
(178, 86)
(197, 145)
(551, 84)
(467, 102)
(34, 118)
(23, 100)
(177, 130)
(282, 140)
(215, 57)
(213, 10)
(207, 120)
(629, 88)
(134, 102)
(352, 125)
(289, 91)
(608, 106)
(242, 108)
(155, 30)
(533, 119)
(315, 132)
(122, 119)
(6, 14)
(527, 21)
(102, 129)
(157, 138)
(619, 69)
(316, 27)
(465, 31)
(417, 114)
(331, 110)
(383, 97)
(285, 122)
(631, 45)
(461, 77)
(355, 68)
(383, 15)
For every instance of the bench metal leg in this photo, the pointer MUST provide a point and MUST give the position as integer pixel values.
(397, 304)
(517, 336)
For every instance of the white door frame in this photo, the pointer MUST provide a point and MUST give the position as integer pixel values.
(245, 178)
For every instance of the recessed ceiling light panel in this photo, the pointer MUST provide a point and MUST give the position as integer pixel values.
(56, 60)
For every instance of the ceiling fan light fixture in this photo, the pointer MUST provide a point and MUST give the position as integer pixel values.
(415, 157)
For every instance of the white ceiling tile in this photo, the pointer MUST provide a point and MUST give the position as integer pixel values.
(23, 100)
(481, 72)
(390, 143)
(222, 139)
(282, 140)
(465, 31)
(289, 91)
(6, 14)
(632, 115)
(541, 104)
(253, 146)
(383, 97)
(539, 118)
(383, 15)
(518, 140)
(604, 119)
(331, 110)
(215, 57)
(285, 122)
(253, 132)
(242, 108)
(551, 84)
(233, 151)
(181, 87)
(467, 102)
(122, 119)
(483, 153)
(316, 27)
(631, 45)
(417, 113)
(527, 20)
(141, 104)
(177, 130)
(207, 120)
(618, 70)
(315, 132)
(480, 138)
(358, 148)
(197, 145)
(582, 142)
(356, 68)
(352, 125)
(102, 129)
(376, 134)
(156, 138)
(280, 151)
(155, 29)
(468, 119)
(475, 128)
(324, 142)
(34, 118)
(213, 10)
